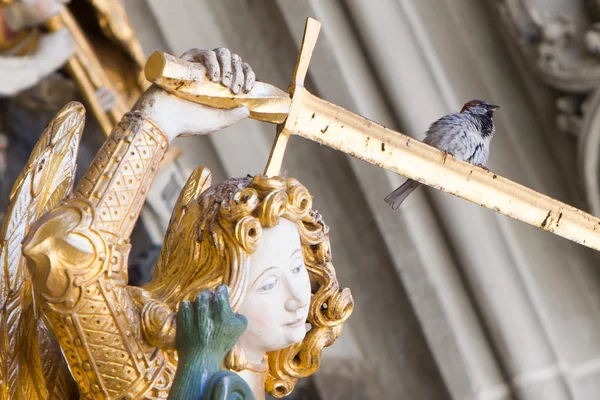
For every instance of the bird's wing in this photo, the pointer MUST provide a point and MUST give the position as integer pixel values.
(457, 135)
(31, 366)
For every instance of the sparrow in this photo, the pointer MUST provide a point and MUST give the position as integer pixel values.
(465, 135)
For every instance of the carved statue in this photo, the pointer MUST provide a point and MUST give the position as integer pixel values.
(32, 90)
(103, 63)
(257, 235)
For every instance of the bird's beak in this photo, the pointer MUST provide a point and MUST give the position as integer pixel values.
(493, 107)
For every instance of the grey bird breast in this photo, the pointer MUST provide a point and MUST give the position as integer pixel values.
(460, 135)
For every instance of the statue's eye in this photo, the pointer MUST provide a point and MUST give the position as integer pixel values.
(296, 265)
(268, 284)
(297, 269)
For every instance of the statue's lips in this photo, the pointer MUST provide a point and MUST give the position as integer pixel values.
(297, 323)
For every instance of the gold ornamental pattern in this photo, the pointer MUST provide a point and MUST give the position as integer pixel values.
(118, 340)
(31, 365)
(122, 170)
(80, 249)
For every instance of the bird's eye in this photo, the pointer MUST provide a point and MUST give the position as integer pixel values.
(268, 284)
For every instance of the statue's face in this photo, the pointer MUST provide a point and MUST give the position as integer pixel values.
(278, 296)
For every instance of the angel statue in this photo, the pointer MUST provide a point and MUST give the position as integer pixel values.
(243, 298)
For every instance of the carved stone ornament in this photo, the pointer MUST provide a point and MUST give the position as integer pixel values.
(557, 40)
(560, 41)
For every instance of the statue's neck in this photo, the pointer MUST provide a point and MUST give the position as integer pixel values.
(254, 375)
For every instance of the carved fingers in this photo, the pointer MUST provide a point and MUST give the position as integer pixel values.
(249, 78)
(207, 58)
(179, 117)
(201, 314)
(225, 67)
(229, 324)
(224, 57)
(208, 325)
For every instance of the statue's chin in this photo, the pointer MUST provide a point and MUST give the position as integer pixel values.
(295, 335)
(285, 339)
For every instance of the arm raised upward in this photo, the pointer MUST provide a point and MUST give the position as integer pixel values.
(77, 253)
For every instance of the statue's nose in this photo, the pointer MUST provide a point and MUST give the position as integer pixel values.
(292, 305)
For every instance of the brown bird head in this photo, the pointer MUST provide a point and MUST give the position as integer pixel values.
(479, 107)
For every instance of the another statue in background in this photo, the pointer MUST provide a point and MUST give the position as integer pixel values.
(47, 59)
(56, 51)
(91, 39)
(257, 235)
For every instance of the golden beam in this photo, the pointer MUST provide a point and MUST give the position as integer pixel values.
(325, 123)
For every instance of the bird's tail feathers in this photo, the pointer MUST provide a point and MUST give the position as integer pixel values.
(397, 196)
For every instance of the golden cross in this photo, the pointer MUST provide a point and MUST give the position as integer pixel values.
(298, 112)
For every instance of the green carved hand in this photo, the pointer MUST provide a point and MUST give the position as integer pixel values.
(207, 329)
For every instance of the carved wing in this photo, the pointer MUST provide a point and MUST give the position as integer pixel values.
(198, 182)
(31, 365)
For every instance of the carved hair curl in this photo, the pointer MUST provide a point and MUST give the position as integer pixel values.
(209, 242)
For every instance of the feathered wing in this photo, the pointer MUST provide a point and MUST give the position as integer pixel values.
(31, 365)
(198, 182)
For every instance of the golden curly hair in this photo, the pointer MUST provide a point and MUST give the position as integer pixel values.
(211, 235)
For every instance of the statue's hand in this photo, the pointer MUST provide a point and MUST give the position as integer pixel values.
(178, 117)
(207, 329)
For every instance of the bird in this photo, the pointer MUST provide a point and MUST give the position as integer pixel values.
(465, 135)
